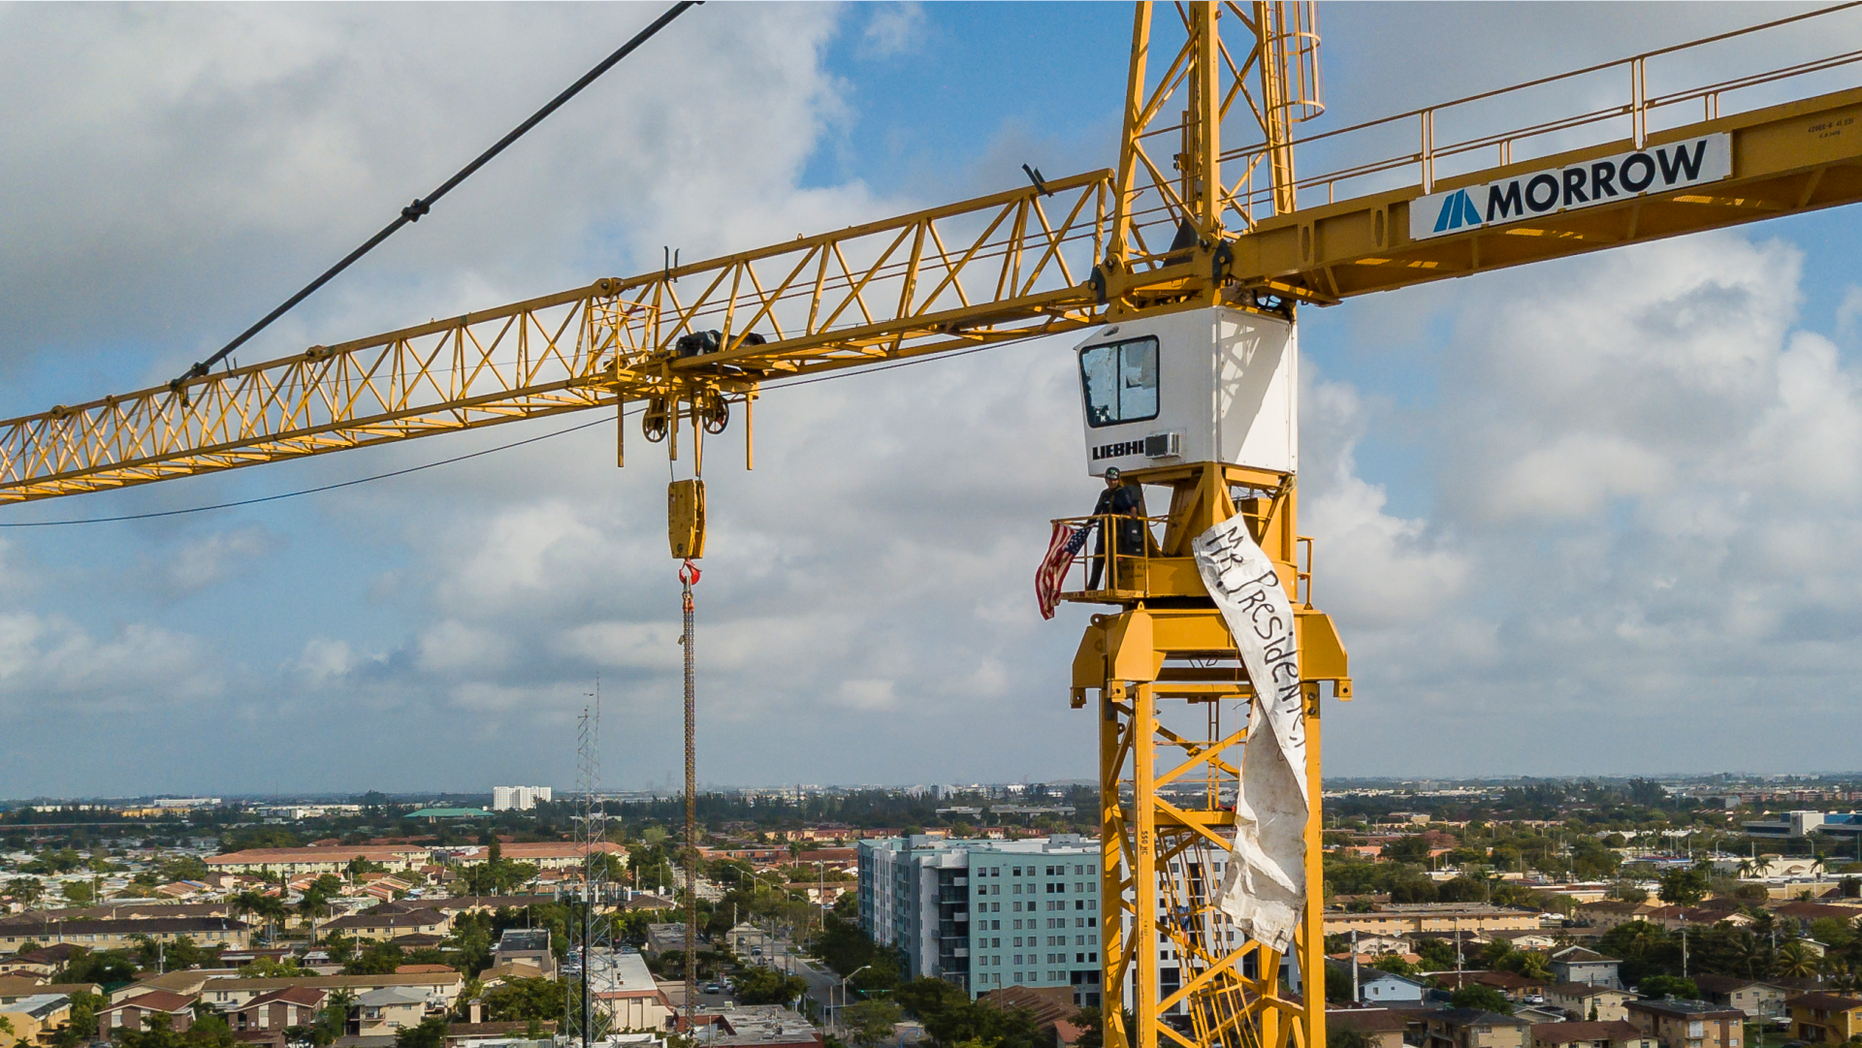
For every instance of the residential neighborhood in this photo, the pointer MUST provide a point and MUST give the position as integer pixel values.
(1575, 915)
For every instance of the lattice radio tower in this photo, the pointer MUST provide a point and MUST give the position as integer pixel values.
(590, 939)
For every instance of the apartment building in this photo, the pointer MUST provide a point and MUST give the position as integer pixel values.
(334, 858)
(1606, 1034)
(1474, 1028)
(1416, 918)
(1825, 1017)
(1688, 1024)
(988, 913)
(123, 934)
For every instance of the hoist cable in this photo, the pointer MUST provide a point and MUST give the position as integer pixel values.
(412, 212)
(688, 577)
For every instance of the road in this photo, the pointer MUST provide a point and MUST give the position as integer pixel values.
(823, 984)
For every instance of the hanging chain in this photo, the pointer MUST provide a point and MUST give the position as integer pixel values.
(688, 577)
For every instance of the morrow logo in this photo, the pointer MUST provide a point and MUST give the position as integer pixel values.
(1655, 169)
(1458, 210)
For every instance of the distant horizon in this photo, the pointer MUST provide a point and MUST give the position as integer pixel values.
(350, 796)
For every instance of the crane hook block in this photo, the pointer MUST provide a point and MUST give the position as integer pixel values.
(685, 518)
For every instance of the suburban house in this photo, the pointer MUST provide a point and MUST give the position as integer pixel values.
(226, 994)
(1590, 1035)
(134, 1013)
(1474, 1028)
(264, 1019)
(13, 991)
(1578, 964)
(1376, 986)
(525, 946)
(1688, 1024)
(381, 927)
(1819, 1017)
(36, 1019)
(380, 1013)
(1584, 1002)
(626, 992)
(1380, 1027)
(1757, 998)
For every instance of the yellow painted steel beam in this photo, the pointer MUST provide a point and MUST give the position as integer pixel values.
(1786, 159)
(1007, 266)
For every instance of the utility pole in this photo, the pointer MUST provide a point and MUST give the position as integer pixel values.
(1355, 995)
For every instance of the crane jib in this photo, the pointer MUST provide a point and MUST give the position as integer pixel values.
(1657, 169)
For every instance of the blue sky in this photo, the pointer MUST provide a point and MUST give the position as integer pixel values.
(178, 171)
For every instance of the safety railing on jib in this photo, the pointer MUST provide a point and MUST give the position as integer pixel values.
(1633, 117)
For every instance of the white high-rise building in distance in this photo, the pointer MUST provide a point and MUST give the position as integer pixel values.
(518, 798)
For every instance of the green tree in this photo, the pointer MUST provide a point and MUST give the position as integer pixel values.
(380, 958)
(1335, 1037)
(26, 889)
(769, 986)
(340, 947)
(1337, 984)
(81, 1027)
(431, 1033)
(267, 968)
(1437, 954)
(517, 1000)
(1486, 998)
(1685, 887)
(1394, 964)
(1659, 986)
(332, 1019)
(78, 893)
(872, 1022)
(1796, 961)
(111, 969)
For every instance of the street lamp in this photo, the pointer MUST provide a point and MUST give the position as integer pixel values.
(843, 990)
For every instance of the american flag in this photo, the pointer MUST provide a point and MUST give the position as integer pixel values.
(1062, 547)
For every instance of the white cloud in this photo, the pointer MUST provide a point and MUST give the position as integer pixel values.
(212, 559)
(1647, 483)
(50, 664)
(867, 695)
(891, 29)
(1849, 312)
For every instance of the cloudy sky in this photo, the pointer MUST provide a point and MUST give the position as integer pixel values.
(1588, 517)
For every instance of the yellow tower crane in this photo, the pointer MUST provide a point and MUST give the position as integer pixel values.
(1192, 255)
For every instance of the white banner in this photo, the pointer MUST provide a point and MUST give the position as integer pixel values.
(1601, 181)
(1264, 889)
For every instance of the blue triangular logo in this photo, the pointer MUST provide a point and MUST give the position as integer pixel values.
(1458, 210)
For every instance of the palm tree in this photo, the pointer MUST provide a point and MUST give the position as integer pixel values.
(1797, 961)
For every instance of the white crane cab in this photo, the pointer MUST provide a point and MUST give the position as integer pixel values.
(1203, 385)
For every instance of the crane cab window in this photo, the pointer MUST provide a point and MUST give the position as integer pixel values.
(1120, 381)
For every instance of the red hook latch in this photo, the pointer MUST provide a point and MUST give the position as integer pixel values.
(689, 573)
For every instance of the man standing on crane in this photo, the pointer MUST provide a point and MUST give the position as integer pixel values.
(1121, 500)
